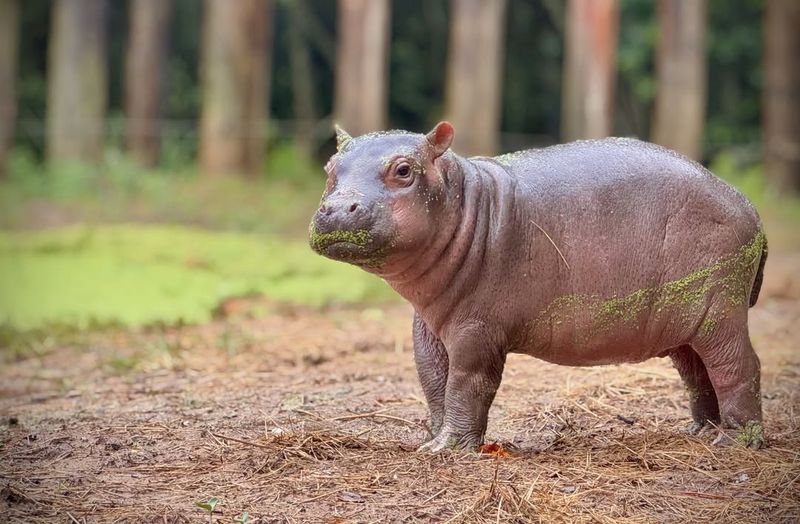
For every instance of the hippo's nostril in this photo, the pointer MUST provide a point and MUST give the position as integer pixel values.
(353, 207)
(324, 210)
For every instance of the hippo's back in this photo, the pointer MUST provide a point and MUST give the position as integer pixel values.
(595, 166)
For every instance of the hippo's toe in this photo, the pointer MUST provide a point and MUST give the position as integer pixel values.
(693, 428)
(445, 441)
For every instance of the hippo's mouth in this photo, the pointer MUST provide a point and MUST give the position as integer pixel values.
(345, 250)
(356, 247)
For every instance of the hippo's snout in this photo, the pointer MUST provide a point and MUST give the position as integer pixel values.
(342, 229)
(342, 213)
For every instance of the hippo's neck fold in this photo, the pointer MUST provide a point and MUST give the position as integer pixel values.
(440, 276)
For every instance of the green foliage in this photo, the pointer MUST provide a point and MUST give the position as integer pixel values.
(209, 506)
(734, 42)
(118, 191)
(733, 167)
(135, 275)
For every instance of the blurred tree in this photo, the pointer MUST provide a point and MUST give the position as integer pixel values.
(235, 65)
(589, 69)
(417, 57)
(146, 61)
(532, 95)
(77, 81)
(474, 70)
(781, 96)
(362, 51)
(636, 51)
(302, 79)
(9, 36)
(681, 76)
(735, 79)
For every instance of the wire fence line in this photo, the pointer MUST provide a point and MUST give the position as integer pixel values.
(171, 128)
(184, 134)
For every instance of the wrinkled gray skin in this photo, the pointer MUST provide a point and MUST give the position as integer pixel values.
(588, 253)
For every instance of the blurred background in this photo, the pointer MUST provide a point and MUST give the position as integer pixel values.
(160, 159)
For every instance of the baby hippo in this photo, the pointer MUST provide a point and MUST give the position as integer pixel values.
(588, 253)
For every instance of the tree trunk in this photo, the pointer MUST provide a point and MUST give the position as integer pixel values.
(475, 65)
(235, 69)
(145, 65)
(589, 69)
(9, 46)
(681, 76)
(781, 95)
(302, 81)
(361, 69)
(77, 81)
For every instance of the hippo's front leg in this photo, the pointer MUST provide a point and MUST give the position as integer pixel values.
(431, 359)
(474, 373)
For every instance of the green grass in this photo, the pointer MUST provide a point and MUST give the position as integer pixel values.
(134, 275)
(749, 178)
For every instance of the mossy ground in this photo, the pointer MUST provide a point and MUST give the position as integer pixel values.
(134, 275)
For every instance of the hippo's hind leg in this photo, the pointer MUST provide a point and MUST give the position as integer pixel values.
(702, 399)
(734, 370)
(430, 357)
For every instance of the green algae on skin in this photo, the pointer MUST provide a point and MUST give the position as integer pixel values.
(319, 241)
(359, 237)
(730, 276)
(707, 327)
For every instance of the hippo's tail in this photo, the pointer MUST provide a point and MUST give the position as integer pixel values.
(759, 275)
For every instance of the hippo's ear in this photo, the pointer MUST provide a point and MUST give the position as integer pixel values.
(342, 138)
(440, 138)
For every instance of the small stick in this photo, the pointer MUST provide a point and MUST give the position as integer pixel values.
(73, 519)
(310, 414)
(704, 495)
(359, 415)
(433, 496)
(246, 443)
(312, 499)
(551, 241)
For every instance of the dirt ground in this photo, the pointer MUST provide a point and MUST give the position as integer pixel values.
(307, 416)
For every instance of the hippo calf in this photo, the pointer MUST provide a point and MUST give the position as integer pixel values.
(588, 253)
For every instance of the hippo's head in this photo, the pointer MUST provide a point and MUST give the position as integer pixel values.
(383, 196)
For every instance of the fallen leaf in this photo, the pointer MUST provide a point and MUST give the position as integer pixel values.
(494, 449)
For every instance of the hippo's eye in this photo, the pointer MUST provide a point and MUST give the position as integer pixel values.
(403, 170)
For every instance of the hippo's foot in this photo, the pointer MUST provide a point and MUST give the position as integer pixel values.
(750, 436)
(447, 441)
(694, 428)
